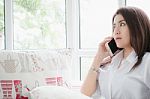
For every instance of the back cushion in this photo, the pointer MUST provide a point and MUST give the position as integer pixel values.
(21, 71)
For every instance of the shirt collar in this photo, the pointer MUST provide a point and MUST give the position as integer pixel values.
(118, 57)
(132, 57)
(130, 60)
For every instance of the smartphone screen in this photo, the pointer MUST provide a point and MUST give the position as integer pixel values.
(113, 47)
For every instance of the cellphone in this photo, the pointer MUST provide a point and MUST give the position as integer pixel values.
(112, 47)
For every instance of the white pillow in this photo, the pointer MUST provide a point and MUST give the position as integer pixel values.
(55, 92)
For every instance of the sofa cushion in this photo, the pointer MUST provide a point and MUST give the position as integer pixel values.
(56, 92)
(25, 70)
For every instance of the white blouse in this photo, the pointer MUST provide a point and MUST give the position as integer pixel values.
(121, 83)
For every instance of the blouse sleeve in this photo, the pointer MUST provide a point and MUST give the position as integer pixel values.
(147, 70)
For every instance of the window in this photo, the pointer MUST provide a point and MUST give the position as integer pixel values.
(143, 4)
(52, 24)
(95, 24)
(1, 24)
(39, 24)
(95, 21)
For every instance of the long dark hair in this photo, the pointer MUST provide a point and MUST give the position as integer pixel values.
(139, 27)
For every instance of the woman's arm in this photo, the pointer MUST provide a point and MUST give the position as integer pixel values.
(89, 84)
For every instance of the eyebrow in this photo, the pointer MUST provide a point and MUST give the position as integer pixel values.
(121, 21)
(118, 22)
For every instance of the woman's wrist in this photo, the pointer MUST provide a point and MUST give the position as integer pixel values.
(97, 62)
(94, 69)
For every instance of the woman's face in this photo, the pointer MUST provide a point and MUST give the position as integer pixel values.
(121, 32)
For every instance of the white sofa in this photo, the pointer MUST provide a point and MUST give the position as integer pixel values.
(22, 71)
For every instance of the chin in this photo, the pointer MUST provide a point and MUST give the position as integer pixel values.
(119, 46)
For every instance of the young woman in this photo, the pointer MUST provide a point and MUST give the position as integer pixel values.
(128, 73)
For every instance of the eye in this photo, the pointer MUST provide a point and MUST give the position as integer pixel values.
(122, 24)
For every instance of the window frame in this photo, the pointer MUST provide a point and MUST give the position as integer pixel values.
(87, 52)
(9, 25)
(8, 18)
(72, 33)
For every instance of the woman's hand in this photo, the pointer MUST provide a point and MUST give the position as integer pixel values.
(102, 53)
(106, 60)
(102, 47)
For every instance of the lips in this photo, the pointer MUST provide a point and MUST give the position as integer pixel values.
(118, 38)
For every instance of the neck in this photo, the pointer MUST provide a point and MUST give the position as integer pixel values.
(127, 51)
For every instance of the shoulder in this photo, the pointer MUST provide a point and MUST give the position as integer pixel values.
(146, 57)
(146, 62)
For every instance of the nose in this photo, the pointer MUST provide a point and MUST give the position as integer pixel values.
(116, 30)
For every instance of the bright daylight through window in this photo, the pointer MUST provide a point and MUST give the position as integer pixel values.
(39, 24)
(1, 24)
(56, 24)
(95, 24)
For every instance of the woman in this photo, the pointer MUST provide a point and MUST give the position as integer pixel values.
(128, 73)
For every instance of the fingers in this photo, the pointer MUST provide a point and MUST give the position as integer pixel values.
(107, 39)
(106, 60)
(102, 51)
